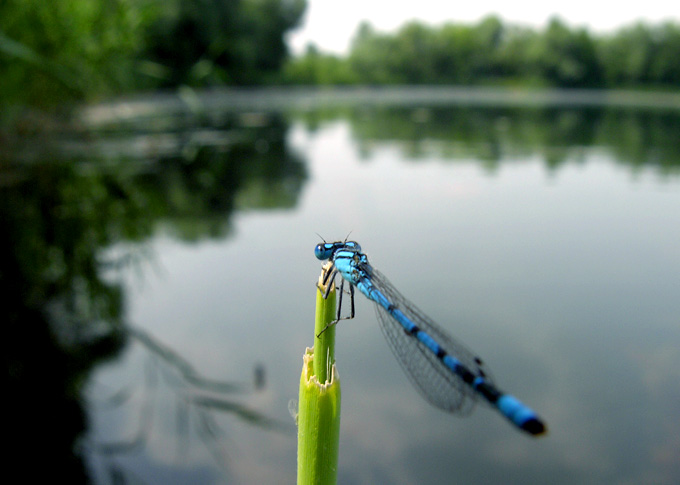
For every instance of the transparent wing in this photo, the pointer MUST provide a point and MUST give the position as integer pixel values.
(430, 376)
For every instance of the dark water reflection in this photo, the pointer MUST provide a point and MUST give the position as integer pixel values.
(81, 207)
(69, 196)
(495, 135)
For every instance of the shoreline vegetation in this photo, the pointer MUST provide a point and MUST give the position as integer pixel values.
(58, 54)
(307, 98)
(491, 52)
(476, 123)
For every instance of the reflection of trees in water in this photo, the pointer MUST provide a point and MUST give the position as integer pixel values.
(61, 209)
(201, 183)
(198, 402)
(61, 318)
(635, 137)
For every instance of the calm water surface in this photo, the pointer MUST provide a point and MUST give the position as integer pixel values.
(180, 260)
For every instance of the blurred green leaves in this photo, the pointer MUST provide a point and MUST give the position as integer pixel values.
(51, 51)
(491, 52)
(55, 51)
(208, 42)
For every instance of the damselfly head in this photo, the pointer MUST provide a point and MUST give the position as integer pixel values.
(324, 251)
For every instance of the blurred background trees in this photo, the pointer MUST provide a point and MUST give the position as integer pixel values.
(491, 52)
(52, 51)
(207, 42)
(56, 50)
(84, 49)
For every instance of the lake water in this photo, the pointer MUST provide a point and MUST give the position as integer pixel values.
(166, 257)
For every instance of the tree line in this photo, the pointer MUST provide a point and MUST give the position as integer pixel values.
(491, 52)
(51, 51)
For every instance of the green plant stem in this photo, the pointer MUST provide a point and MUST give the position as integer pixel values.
(319, 403)
(324, 338)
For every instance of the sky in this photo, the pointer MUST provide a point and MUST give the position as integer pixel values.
(331, 25)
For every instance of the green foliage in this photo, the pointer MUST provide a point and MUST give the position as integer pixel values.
(465, 54)
(369, 47)
(491, 53)
(79, 48)
(208, 42)
(641, 54)
(316, 68)
(54, 51)
(565, 58)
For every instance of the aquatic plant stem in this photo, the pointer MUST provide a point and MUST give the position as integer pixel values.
(319, 401)
(324, 338)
